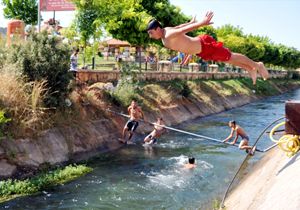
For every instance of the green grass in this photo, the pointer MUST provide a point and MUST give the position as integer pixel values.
(10, 189)
(216, 204)
(150, 94)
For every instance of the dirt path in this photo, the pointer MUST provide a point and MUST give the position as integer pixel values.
(274, 183)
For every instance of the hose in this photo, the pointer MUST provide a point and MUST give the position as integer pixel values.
(288, 143)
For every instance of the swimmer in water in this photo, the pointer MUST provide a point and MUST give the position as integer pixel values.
(191, 164)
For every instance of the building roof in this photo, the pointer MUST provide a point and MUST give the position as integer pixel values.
(116, 42)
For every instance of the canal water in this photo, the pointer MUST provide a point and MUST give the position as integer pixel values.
(137, 177)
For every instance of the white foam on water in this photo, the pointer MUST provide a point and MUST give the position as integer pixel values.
(166, 180)
(96, 181)
(172, 144)
(173, 176)
(180, 160)
(205, 165)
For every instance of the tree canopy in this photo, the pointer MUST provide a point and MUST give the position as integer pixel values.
(25, 10)
(127, 20)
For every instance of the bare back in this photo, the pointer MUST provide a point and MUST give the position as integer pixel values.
(240, 131)
(181, 42)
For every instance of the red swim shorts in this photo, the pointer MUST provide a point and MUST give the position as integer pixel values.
(213, 50)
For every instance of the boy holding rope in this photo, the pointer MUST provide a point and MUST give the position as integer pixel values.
(135, 113)
(239, 131)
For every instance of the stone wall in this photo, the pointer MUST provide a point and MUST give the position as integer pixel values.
(92, 76)
(22, 157)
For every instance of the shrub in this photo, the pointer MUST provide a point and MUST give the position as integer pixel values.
(127, 88)
(23, 102)
(13, 188)
(44, 58)
(3, 121)
(181, 86)
(3, 52)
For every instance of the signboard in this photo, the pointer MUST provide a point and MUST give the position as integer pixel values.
(56, 5)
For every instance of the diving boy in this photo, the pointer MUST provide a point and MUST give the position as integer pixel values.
(204, 46)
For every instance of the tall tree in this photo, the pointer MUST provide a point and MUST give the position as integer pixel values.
(25, 10)
(127, 19)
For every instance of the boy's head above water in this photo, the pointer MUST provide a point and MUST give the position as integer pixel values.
(191, 160)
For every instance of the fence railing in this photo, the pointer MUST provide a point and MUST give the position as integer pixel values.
(92, 76)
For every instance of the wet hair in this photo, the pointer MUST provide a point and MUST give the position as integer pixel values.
(232, 122)
(153, 24)
(191, 160)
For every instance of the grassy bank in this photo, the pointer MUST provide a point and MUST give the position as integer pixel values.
(24, 114)
(10, 189)
(151, 94)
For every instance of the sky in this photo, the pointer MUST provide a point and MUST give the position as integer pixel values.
(277, 19)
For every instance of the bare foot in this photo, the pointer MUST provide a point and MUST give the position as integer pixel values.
(252, 151)
(263, 71)
(253, 75)
(122, 140)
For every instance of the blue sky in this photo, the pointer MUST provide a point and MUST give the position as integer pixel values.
(277, 19)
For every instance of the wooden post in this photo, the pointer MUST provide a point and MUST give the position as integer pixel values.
(292, 112)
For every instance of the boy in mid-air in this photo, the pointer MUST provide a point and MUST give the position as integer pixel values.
(204, 46)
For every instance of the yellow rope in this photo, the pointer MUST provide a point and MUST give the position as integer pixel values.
(290, 144)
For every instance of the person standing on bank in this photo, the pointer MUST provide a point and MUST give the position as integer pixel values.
(203, 46)
(74, 62)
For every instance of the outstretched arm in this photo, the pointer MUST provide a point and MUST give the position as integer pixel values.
(235, 140)
(192, 26)
(193, 20)
(230, 136)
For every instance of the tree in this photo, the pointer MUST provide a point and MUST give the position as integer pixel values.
(272, 54)
(128, 22)
(164, 12)
(87, 23)
(25, 10)
(228, 29)
(207, 30)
